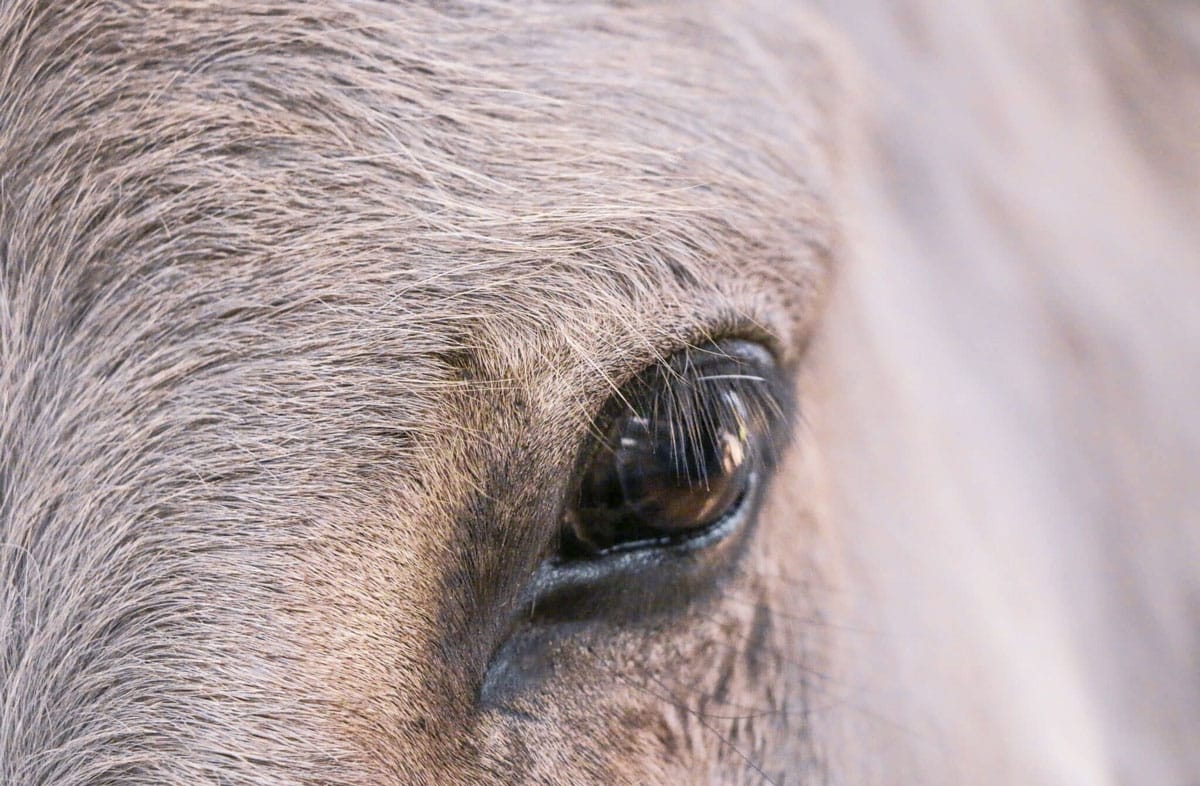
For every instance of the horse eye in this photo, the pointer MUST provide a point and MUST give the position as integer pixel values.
(679, 452)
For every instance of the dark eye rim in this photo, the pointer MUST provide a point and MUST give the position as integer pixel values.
(713, 351)
(691, 540)
(617, 591)
(636, 581)
(644, 585)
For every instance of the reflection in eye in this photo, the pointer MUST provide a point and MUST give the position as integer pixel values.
(680, 449)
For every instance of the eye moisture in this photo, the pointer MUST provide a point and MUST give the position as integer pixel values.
(679, 449)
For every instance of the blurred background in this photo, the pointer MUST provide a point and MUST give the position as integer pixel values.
(1015, 378)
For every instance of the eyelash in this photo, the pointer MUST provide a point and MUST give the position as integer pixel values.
(700, 403)
(678, 450)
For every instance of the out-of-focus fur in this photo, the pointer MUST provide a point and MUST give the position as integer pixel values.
(305, 310)
(1012, 362)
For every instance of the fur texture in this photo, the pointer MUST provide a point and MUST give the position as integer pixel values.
(305, 311)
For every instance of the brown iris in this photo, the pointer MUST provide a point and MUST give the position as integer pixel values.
(680, 451)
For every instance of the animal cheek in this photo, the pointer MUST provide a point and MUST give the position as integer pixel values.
(543, 714)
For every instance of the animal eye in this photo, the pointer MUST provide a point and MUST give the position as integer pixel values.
(679, 451)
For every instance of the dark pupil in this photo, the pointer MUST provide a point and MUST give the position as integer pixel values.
(667, 472)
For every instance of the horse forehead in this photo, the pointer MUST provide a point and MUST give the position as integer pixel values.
(285, 209)
(407, 176)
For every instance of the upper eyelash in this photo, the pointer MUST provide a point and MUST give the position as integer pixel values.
(680, 398)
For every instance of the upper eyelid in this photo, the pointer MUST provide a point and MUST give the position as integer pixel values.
(619, 391)
(663, 380)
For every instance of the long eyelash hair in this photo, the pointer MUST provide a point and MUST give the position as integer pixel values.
(702, 394)
(697, 409)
